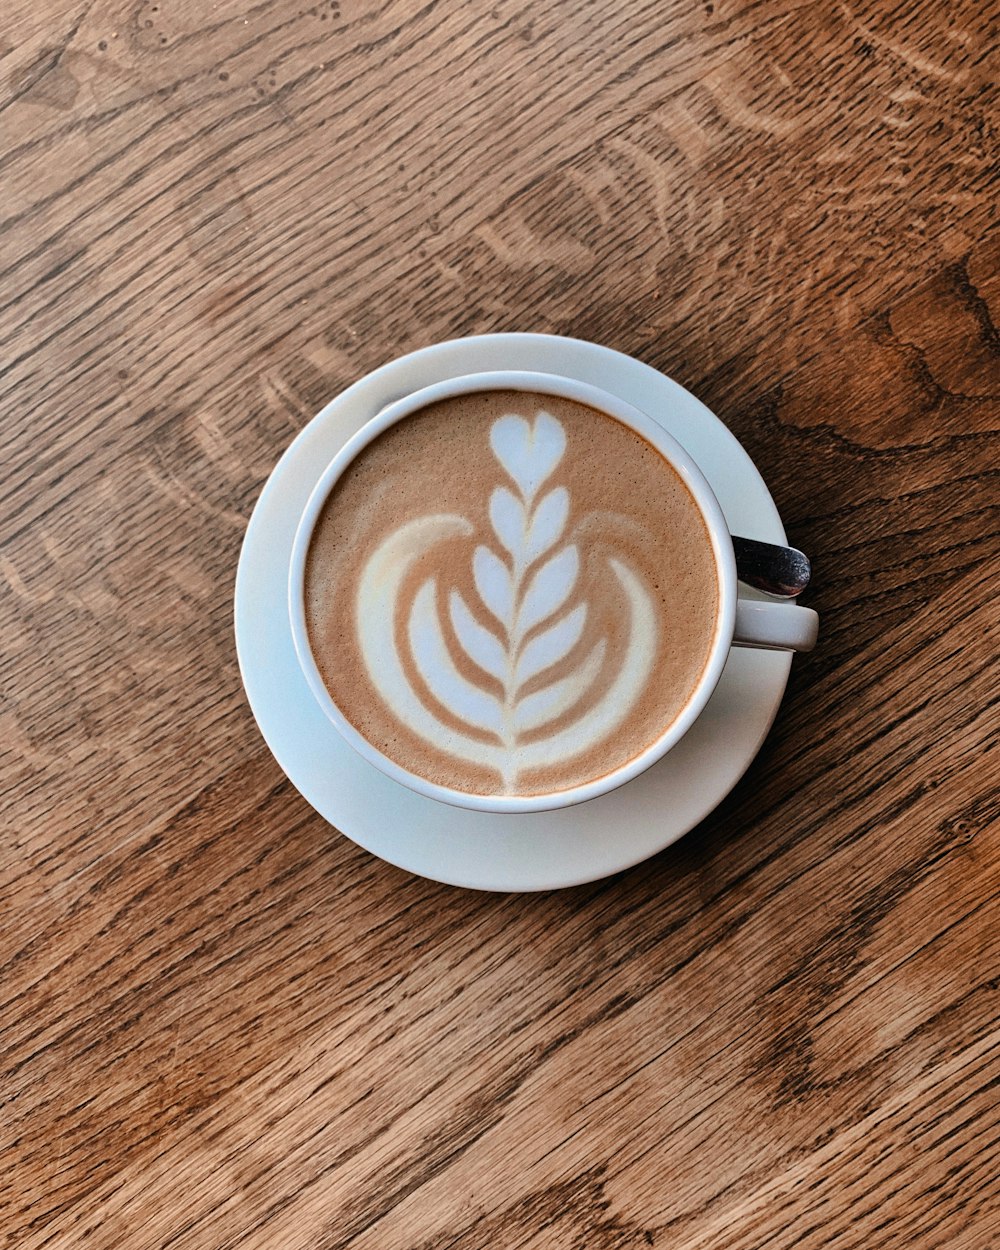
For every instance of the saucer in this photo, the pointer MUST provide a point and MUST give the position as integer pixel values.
(485, 850)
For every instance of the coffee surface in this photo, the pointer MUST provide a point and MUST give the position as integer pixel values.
(510, 593)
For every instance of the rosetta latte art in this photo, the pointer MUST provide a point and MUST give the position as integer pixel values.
(526, 622)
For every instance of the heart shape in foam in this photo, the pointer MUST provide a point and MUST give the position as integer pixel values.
(529, 453)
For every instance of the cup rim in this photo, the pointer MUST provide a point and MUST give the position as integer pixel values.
(592, 396)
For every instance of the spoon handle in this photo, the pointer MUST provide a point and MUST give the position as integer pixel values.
(780, 571)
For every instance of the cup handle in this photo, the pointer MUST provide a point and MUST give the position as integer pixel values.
(774, 626)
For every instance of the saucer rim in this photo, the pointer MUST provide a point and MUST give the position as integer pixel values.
(270, 707)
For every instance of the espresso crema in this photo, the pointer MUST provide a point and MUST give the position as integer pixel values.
(511, 593)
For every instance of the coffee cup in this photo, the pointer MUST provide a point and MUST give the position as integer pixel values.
(514, 592)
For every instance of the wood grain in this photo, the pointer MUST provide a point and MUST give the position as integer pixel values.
(224, 1025)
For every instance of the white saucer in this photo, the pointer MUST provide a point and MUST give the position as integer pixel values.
(490, 851)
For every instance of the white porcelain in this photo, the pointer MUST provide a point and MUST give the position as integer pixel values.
(487, 850)
(774, 624)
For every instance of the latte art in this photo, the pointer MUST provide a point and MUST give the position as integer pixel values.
(534, 627)
(527, 598)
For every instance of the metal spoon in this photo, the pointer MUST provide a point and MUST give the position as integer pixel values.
(780, 571)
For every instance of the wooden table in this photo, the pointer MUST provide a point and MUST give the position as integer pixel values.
(223, 1023)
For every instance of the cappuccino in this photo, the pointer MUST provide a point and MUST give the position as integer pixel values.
(510, 593)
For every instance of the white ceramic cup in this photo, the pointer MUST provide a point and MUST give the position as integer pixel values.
(740, 621)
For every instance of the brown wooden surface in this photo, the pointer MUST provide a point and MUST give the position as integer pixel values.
(222, 1023)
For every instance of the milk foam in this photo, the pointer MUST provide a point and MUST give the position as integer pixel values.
(513, 643)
